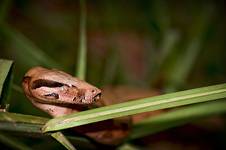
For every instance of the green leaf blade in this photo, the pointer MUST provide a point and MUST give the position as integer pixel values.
(5, 68)
(21, 123)
(176, 118)
(137, 106)
(63, 140)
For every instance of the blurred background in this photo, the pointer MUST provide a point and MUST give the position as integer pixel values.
(164, 46)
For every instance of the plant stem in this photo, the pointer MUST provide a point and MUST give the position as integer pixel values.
(81, 64)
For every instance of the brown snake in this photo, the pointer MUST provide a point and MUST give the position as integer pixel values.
(59, 93)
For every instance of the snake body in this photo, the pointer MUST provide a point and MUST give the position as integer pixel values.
(59, 93)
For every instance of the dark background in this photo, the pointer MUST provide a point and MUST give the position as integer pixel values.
(162, 45)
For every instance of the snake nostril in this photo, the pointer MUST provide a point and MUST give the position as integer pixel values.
(93, 91)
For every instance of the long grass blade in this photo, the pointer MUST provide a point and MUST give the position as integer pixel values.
(5, 82)
(81, 64)
(21, 123)
(63, 140)
(5, 66)
(176, 118)
(137, 106)
(30, 125)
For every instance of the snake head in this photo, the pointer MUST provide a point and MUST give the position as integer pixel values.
(57, 87)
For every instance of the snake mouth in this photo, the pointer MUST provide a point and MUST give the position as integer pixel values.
(83, 100)
(97, 97)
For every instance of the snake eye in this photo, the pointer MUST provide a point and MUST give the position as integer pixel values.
(54, 95)
(46, 83)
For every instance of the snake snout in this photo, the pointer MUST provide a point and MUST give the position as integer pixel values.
(97, 97)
